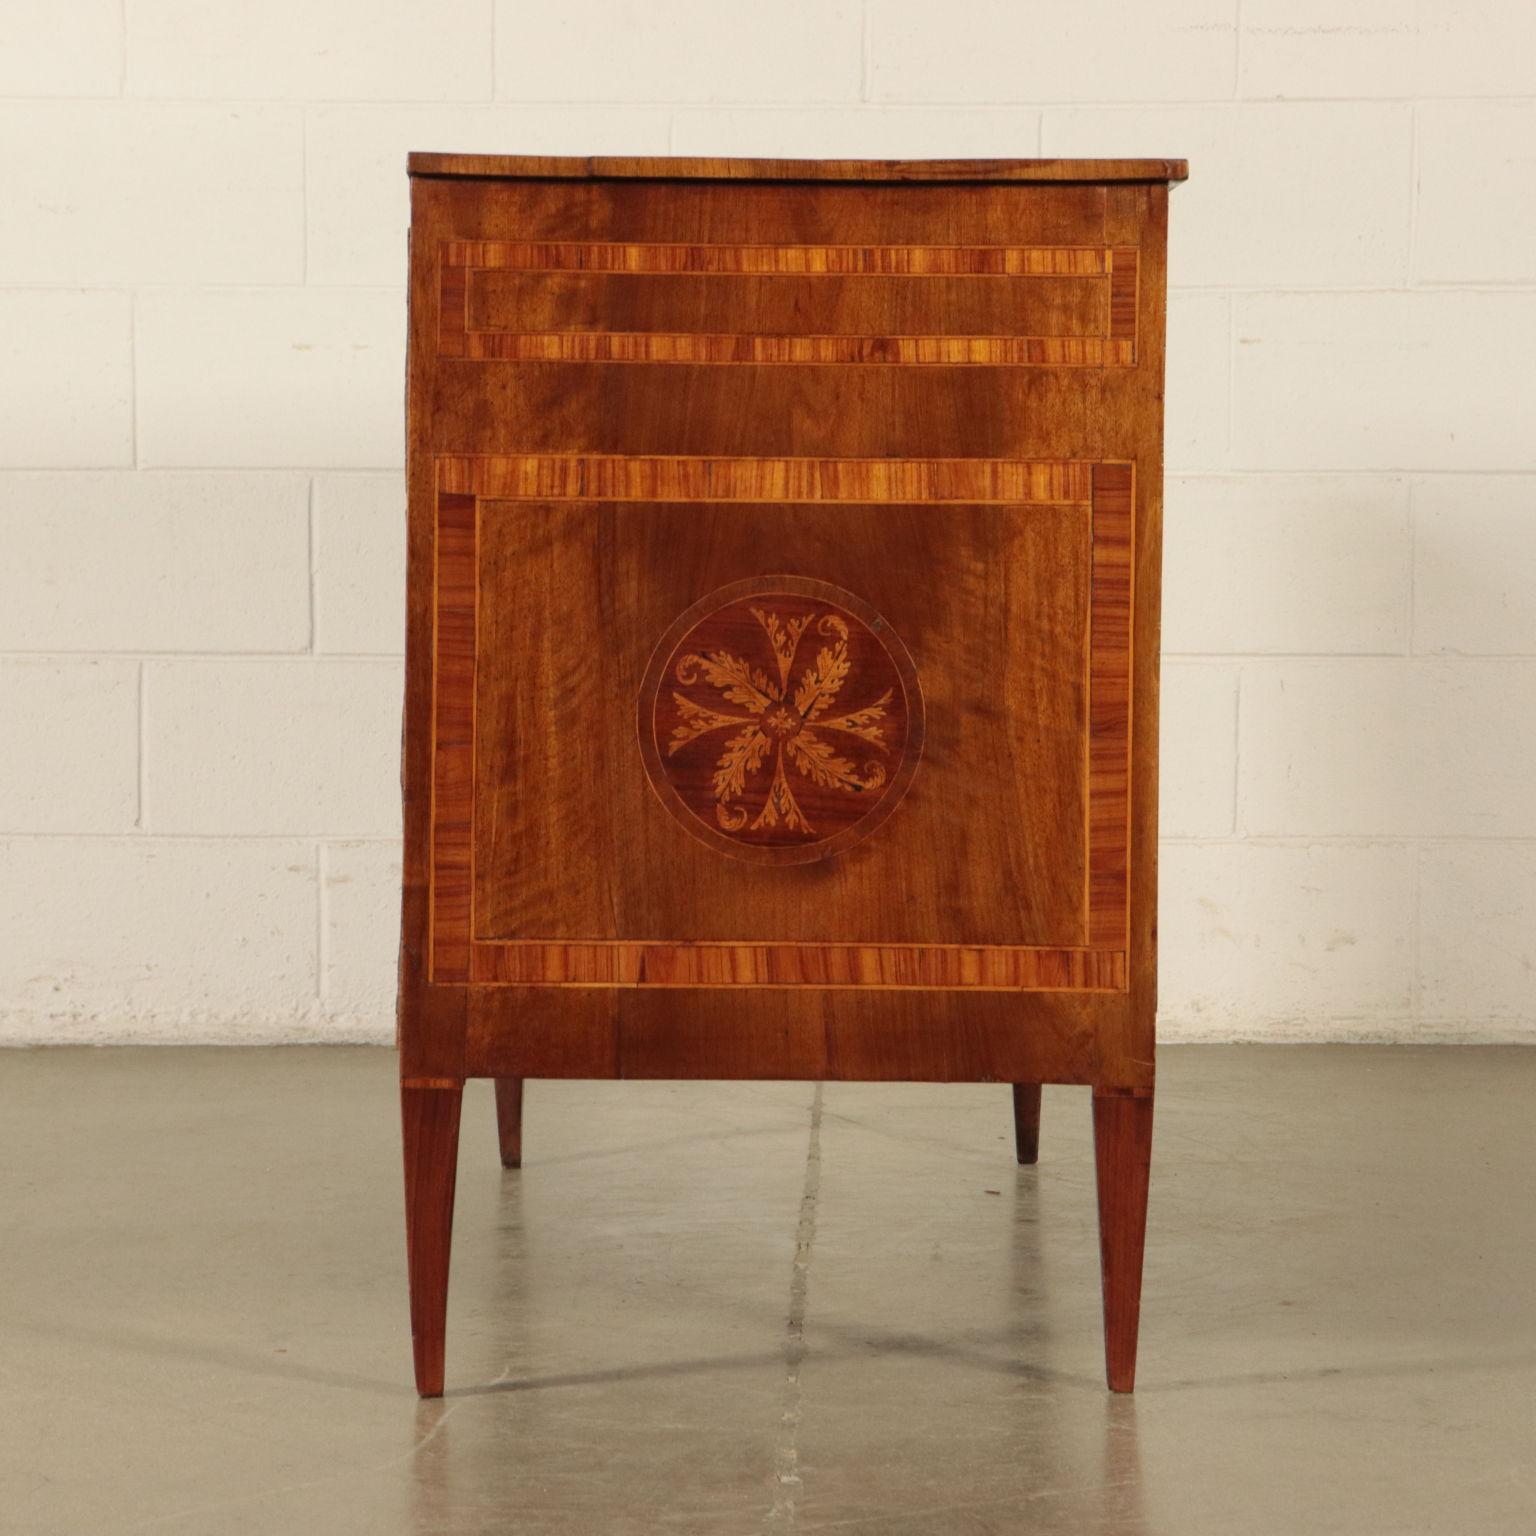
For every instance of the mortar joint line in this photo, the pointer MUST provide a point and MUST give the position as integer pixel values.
(1237, 753)
(314, 575)
(1237, 52)
(304, 196)
(864, 54)
(1412, 626)
(138, 815)
(133, 379)
(321, 958)
(1413, 194)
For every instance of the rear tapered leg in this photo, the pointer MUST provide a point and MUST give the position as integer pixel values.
(1026, 1121)
(430, 1120)
(509, 1120)
(1122, 1145)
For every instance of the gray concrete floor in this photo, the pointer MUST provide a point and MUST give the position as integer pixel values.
(731, 1308)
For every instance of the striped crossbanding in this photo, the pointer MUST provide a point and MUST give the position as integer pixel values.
(459, 337)
(678, 477)
(463, 481)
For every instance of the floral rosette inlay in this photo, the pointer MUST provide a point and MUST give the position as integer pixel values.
(781, 720)
(778, 725)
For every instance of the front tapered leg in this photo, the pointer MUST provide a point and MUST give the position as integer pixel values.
(509, 1120)
(1122, 1144)
(430, 1120)
(1026, 1121)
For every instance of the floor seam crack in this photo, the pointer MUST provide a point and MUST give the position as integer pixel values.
(786, 1459)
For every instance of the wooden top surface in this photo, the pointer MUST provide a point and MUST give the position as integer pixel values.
(685, 168)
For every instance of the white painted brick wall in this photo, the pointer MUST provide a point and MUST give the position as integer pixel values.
(1286, 565)
(1199, 731)
(243, 377)
(678, 50)
(1384, 381)
(1250, 220)
(61, 47)
(360, 884)
(1474, 565)
(226, 184)
(272, 748)
(66, 390)
(359, 565)
(202, 258)
(69, 752)
(1388, 748)
(112, 561)
(1476, 219)
(146, 938)
(1338, 962)
(346, 50)
(1049, 51)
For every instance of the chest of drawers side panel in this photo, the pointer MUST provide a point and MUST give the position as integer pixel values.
(1086, 404)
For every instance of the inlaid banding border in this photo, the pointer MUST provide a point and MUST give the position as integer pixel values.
(462, 481)
(638, 964)
(764, 260)
(698, 477)
(1109, 706)
(701, 347)
(455, 642)
(460, 259)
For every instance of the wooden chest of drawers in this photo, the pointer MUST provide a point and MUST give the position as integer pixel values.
(782, 658)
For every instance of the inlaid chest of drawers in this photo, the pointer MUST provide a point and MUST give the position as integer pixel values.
(781, 690)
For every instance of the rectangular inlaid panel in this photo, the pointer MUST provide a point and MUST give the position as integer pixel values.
(632, 302)
(996, 868)
(782, 644)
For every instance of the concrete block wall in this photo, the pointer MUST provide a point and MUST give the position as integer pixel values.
(201, 307)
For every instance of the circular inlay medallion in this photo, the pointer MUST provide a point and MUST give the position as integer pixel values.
(780, 719)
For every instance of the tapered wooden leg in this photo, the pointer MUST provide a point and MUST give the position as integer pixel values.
(1122, 1145)
(509, 1120)
(1026, 1121)
(430, 1119)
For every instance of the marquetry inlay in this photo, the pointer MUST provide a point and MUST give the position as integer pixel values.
(685, 477)
(781, 719)
(791, 805)
(588, 301)
(784, 560)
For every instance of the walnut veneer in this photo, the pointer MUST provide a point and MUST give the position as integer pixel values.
(782, 659)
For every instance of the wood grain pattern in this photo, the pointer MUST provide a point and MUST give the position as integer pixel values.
(748, 736)
(509, 1120)
(453, 737)
(1109, 709)
(887, 966)
(1122, 1146)
(430, 1121)
(1139, 215)
(840, 261)
(598, 959)
(934, 386)
(425, 163)
(692, 347)
(546, 567)
(782, 305)
(1026, 1122)
(1124, 267)
(951, 305)
(850, 1034)
(701, 477)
